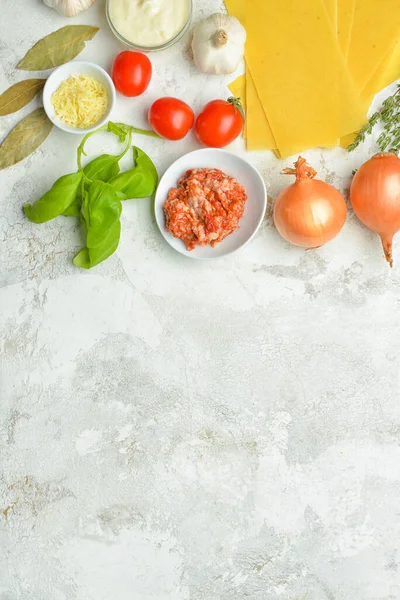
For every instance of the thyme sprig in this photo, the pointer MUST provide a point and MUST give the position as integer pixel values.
(388, 116)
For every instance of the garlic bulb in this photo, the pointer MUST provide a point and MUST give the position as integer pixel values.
(218, 44)
(69, 8)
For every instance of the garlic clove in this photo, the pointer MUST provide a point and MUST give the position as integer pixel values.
(218, 44)
(69, 8)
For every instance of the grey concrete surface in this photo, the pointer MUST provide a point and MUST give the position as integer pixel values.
(171, 430)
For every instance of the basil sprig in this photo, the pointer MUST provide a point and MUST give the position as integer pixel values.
(95, 194)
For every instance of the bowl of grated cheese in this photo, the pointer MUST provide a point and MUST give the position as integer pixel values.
(78, 97)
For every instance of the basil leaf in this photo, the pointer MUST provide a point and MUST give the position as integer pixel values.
(85, 216)
(74, 209)
(140, 181)
(101, 210)
(150, 179)
(57, 200)
(119, 129)
(90, 257)
(102, 168)
(127, 182)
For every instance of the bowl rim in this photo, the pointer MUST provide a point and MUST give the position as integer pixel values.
(133, 46)
(69, 67)
(253, 169)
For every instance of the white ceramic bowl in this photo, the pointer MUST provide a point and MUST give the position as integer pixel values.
(133, 46)
(231, 164)
(77, 67)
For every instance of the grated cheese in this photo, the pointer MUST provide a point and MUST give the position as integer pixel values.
(80, 101)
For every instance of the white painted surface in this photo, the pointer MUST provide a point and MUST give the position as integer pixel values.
(177, 430)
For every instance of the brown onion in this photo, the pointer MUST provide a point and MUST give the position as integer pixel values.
(309, 212)
(375, 196)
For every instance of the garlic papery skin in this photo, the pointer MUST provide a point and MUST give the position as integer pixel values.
(218, 44)
(69, 8)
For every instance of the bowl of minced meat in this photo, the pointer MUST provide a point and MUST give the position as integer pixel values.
(210, 203)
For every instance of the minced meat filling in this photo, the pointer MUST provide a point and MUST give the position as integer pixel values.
(205, 207)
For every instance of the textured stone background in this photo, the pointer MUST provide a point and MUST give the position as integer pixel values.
(180, 431)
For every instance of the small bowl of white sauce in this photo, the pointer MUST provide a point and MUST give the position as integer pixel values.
(149, 24)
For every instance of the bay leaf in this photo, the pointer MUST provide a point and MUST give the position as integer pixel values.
(57, 48)
(25, 138)
(19, 95)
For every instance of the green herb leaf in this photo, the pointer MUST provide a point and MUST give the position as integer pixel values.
(140, 181)
(25, 138)
(90, 257)
(146, 166)
(57, 200)
(19, 95)
(119, 129)
(101, 210)
(128, 182)
(57, 48)
(102, 168)
(74, 209)
(389, 116)
(89, 195)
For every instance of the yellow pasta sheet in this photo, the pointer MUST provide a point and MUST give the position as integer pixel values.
(258, 132)
(299, 74)
(332, 10)
(374, 51)
(345, 18)
(376, 28)
(257, 129)
(238, 89)
(387, 73)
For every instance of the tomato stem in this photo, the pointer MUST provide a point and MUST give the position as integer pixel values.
(237, 105)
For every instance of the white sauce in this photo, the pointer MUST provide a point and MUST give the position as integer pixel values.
(148, 22)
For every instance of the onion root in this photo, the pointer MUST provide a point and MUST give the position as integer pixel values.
(387, 240)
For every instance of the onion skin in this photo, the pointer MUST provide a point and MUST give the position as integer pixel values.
(375, 196)
(309, 213)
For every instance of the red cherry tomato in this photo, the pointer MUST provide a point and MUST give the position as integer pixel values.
(131, 73)
(171, 118)
(220, 122)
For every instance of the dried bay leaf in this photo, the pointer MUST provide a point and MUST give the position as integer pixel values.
(25, 138)
(19, 95)
(57, 48)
